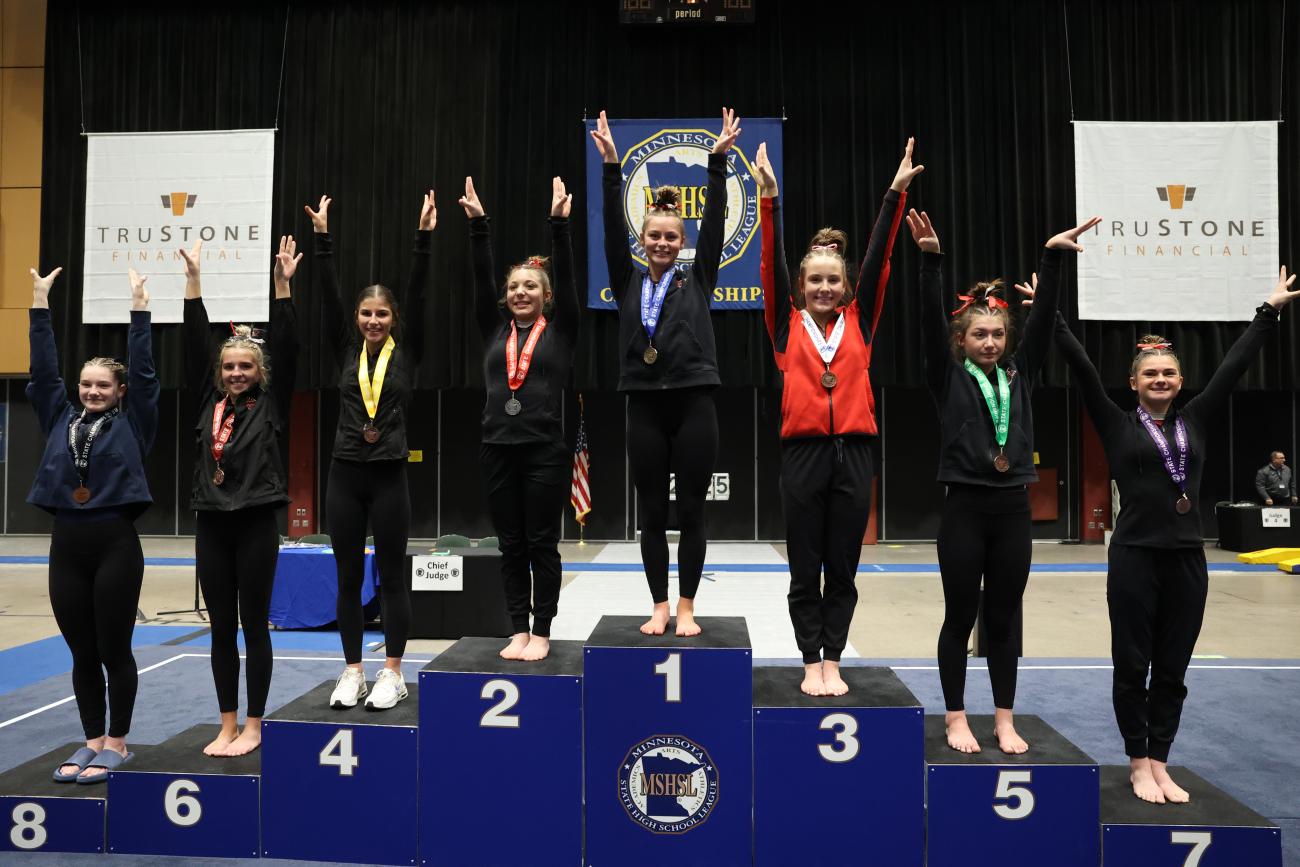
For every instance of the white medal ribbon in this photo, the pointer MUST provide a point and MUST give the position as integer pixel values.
(825, 348)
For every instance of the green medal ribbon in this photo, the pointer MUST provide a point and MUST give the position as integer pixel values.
(999, 406)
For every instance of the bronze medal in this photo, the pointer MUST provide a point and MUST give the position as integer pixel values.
(219, 477)
(81, 495)
(650, 356)
(370, 433)
(513, 406)
(1001, 462)
(829, 379)
(1183, 505)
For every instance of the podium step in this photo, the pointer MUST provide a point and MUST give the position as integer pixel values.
(40, 815)
(1212, 830)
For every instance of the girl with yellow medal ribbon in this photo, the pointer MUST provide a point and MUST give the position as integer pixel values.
(367, 477)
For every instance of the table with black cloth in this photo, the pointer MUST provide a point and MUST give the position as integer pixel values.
(1241, 528)
(306, 587)
(479, 609)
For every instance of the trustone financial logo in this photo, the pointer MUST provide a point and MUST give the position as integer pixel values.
(178, 202)
(1203, 236)
(154, 242)
(1175, 195)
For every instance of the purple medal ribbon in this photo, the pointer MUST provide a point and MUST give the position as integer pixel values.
(1177, 474)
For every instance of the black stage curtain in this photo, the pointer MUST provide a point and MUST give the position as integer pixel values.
(382, 100)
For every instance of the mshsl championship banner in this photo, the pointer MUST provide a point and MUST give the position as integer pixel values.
(1189, 228)
(676, 152)
(150, 194)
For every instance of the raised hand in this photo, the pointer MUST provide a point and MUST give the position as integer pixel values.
(1069, 239)
(561, 201)
(604, 140)
(139, 294)
(320, 218)
(1280, 298)
(923, 231)
(906, 171)
(286, 260)
(763, 168)
(730, 131)
(428, 213)
(1026, 289)
(192, 261)
(473, 207)
(41, 286)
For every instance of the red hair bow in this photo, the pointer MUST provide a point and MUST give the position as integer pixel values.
(967, 300)
(1143, 347)
(535, 262)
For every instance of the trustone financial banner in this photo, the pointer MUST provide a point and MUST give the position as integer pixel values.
(676, 152)
(1189, 228)
(150, 194)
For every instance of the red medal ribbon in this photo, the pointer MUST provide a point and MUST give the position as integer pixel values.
(517, 368)
(221, 430)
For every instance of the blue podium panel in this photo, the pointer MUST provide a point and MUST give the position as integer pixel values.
(171, 799)
(485, 721)
(340, 785)
(1212, 830)
(982, 807)
(668, 735)
(40, 815)
(854, 761)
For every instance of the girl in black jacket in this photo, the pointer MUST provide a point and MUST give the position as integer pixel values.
(668, 366)
(239, 484)
(529, 333)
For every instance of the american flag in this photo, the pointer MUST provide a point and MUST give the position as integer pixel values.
(580, 487)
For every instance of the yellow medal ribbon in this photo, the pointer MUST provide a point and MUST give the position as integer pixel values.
(369, 394)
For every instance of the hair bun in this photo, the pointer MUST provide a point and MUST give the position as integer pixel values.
(1151, 342)
(668, 198)
(538, 262)
(830, 241)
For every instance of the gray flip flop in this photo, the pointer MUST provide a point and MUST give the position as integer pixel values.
(80, 758)
(109, 760)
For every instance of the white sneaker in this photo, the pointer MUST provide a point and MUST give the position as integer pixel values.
(389, 690)
(349, 689)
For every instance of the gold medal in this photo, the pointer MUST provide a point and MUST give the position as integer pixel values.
(650, 356)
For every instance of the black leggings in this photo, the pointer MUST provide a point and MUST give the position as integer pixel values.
(375, 490)
(985, 532)
(235, 555)
(96, 568)
(1156, 598)
(826, 496)
(528, 486)
(672, 431)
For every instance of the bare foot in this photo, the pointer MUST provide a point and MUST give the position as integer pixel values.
(835, 684)
(515, 649)
(220, 742)
(1174, 793)
(959, 733)
(537, 648)
(1144, 784)
(812, 679)
(1005, 731)
(658, 621)
(249, 739)
(686, 625)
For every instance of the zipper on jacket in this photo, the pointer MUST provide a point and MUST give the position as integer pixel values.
(830, 407)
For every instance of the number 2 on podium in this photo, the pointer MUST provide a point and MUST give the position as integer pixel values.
(671, 669)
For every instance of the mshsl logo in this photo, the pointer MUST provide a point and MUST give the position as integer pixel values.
(680, 158)
(668, 784)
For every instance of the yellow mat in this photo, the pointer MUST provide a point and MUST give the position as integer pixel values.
(1269, 555)
(1292, 565)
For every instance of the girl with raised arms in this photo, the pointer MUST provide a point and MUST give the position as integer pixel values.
(1156, 580)
(986, 458)
(92, 480)
(367, 478)
(822, 336)
(239, 484)
(668, 366)
(529, 333)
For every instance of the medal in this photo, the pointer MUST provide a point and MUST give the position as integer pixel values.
(651, 355)
(517, 367)
(513, 406)
(370, 392)
(219, 477)
(829, 379)
(1183, 505)
(370, 433)
(81, 454)
(1177, 472)
(220, 436)
(652, 304)
(999, 406)
(1001, 462)
(81, 495)
(826, 348)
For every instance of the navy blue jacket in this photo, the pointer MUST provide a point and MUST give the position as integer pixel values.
(116, 475)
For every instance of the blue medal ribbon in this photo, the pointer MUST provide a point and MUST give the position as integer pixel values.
(652, 299)
(1178, 473)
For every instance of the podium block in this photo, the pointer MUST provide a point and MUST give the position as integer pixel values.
(340, 785)
(1212, 830)
(854, 761)
(1041, 805)
(171, 799)
(668, 735)
(484, 722)
(40, 815)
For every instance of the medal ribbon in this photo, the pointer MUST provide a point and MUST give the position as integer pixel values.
(999, 406)
(653, 304)
(825, 348)
(1177, 474)
(81, 456)
(221, 431)
(517, 367)
(370, 394)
